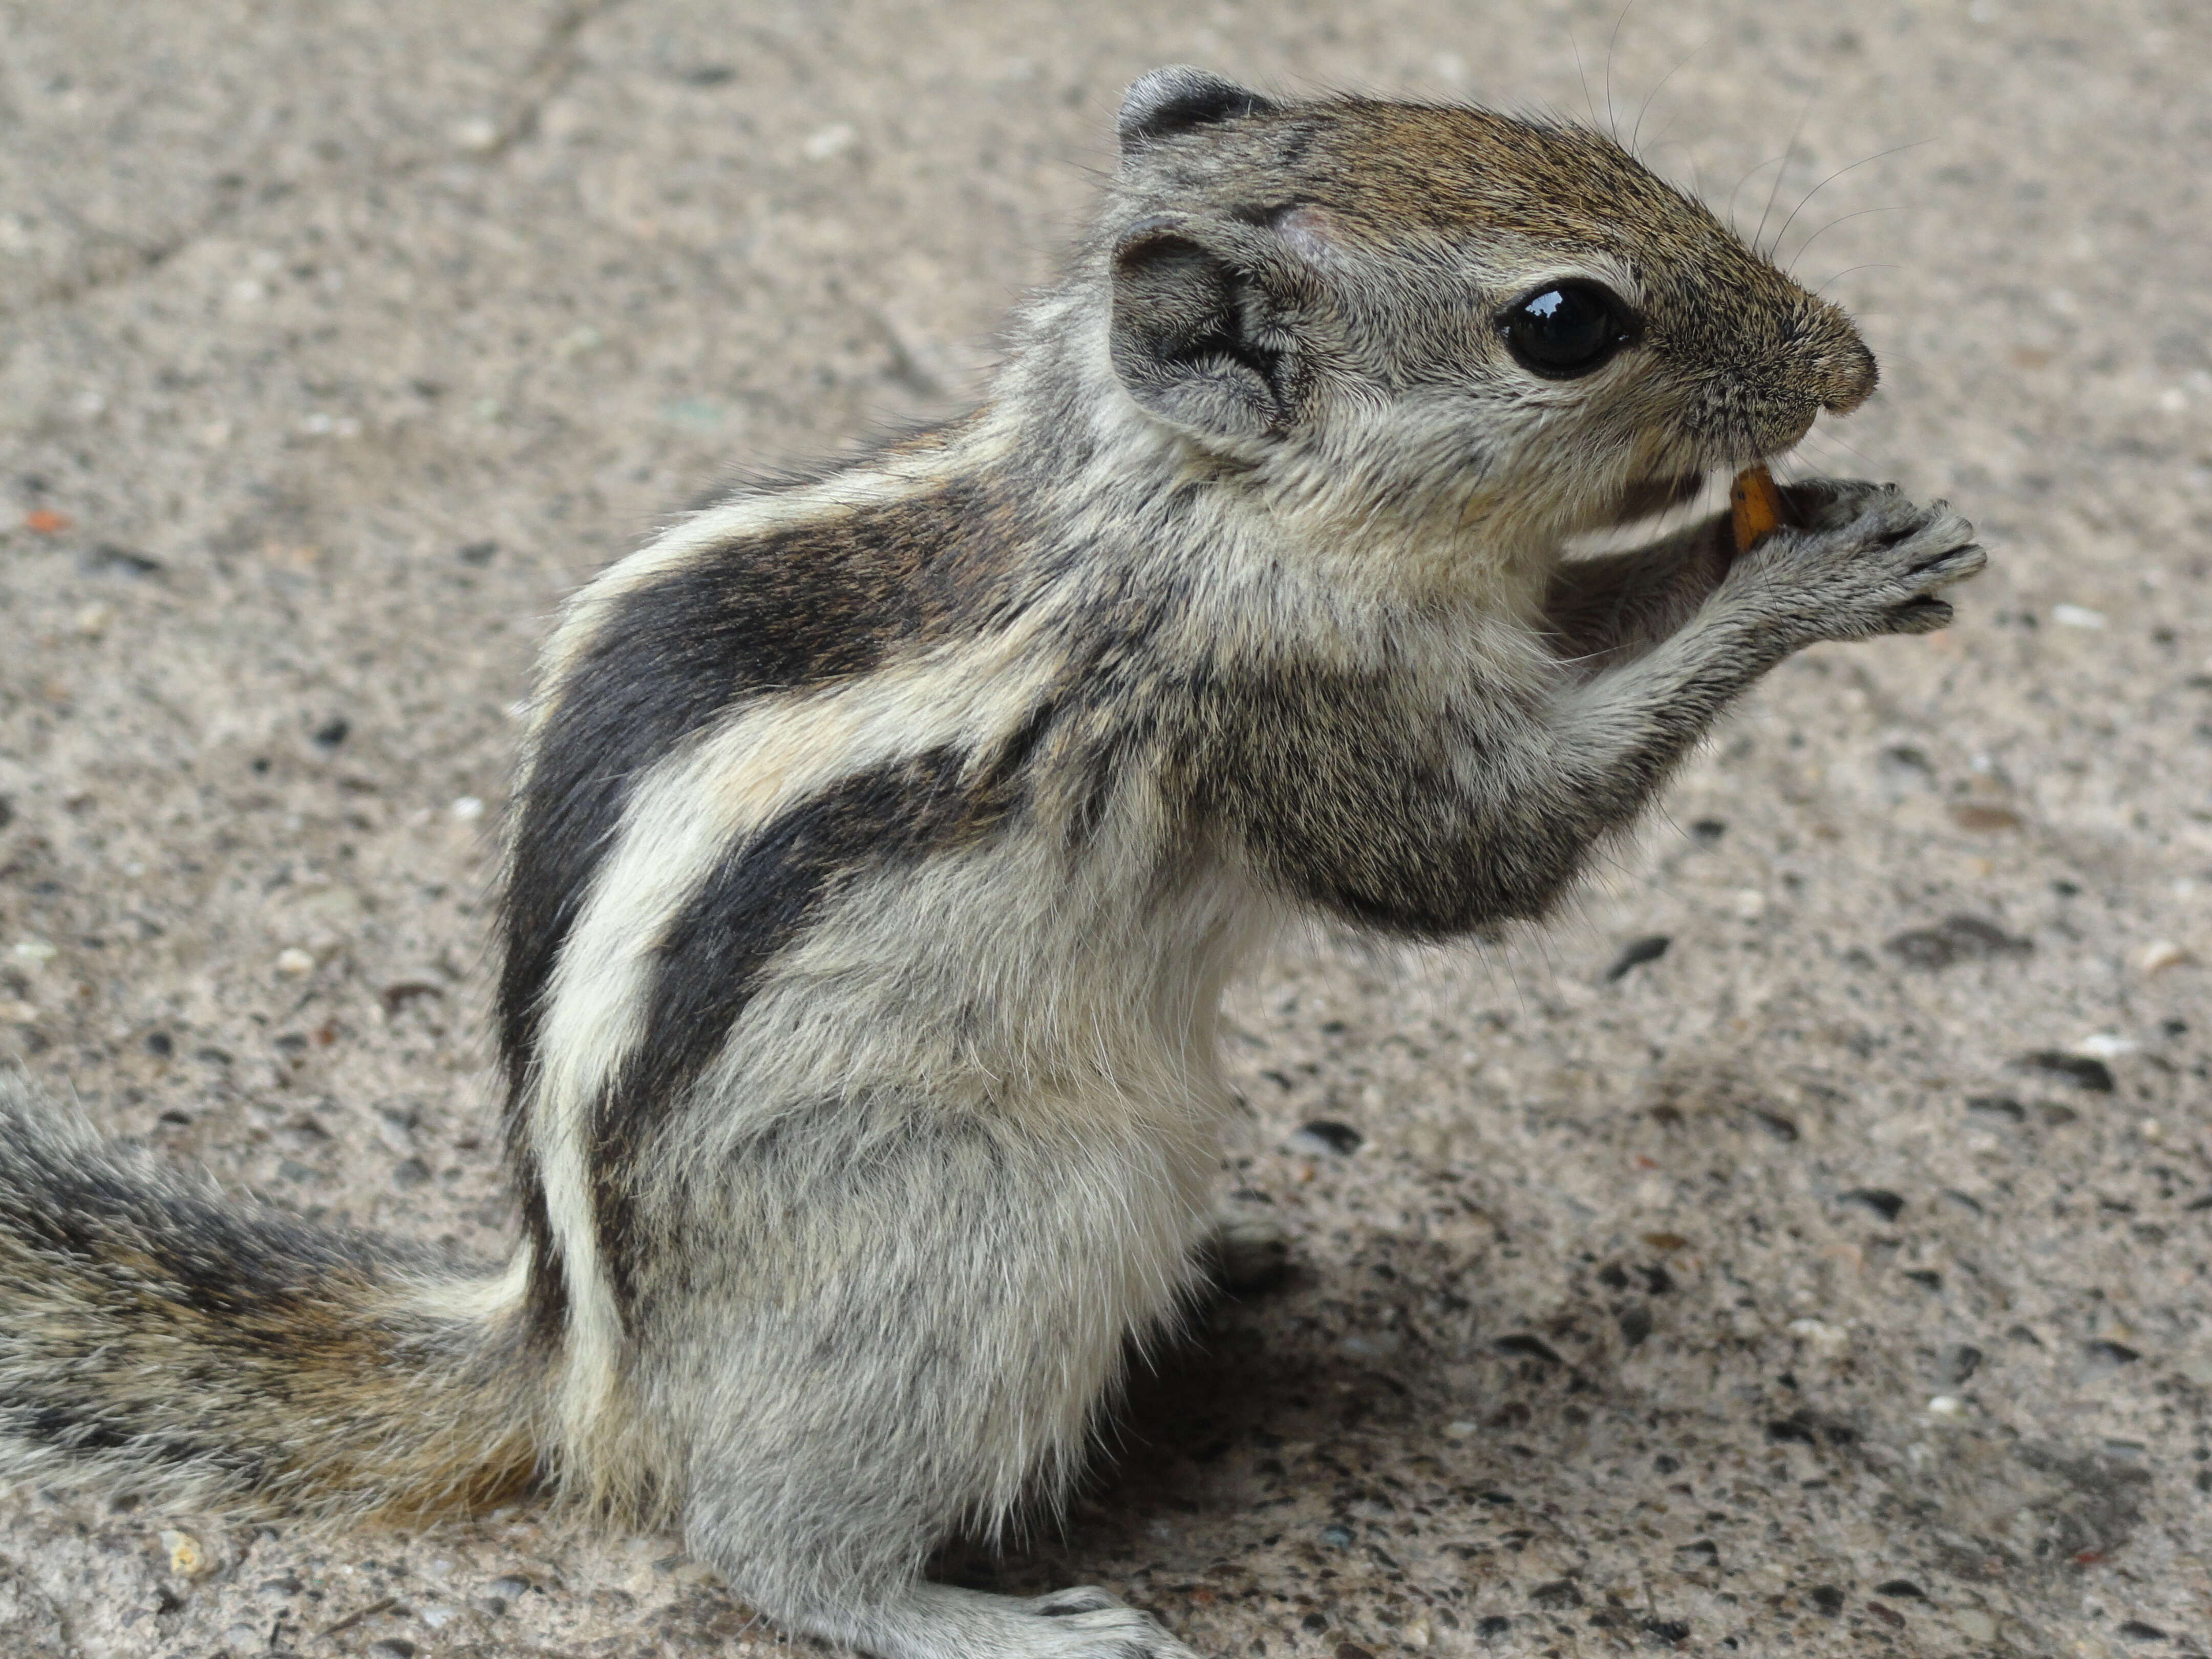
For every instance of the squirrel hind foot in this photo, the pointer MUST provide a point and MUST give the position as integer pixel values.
(937, 1621)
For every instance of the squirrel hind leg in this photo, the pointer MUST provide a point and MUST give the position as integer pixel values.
(913, 1343)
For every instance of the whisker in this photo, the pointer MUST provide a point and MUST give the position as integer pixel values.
(1895, 150)
(1576, 47)
(1611, 124)
(1795, 133)
(1747, 177)
(1830, 437)
(1903, 207)
(1650, 96)
(1848, 269)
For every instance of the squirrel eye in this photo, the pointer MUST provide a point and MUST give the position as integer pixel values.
(1567, 328)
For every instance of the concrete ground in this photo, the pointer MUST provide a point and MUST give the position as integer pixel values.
(1836, 1282)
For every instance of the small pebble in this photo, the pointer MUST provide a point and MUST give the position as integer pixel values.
(2082, 1071)
(2102, 1359)
(1959, 1362)
(2076, 615)
(2162, 954)
(398, 994)
(1883, 1202)
(188, 1559)
(1956, 938)
(1822, 1336)
(245, 1638)
(410, 1174)
(391, 1647)
(1491, 1628)
(1975, 816)
(292, 961)
(1975, 1624)
(1521, 1345)
(467, 809)
(1337, 1538)
(1324, 1135)
(1636, 953)
(108, 559)
(2135, 1631)
(1946, 1405)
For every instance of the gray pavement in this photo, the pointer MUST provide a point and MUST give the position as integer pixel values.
(1770, 1298)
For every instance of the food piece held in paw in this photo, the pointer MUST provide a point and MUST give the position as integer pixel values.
(1755, 506)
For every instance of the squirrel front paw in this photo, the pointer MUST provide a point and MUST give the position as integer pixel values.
(1866, 562)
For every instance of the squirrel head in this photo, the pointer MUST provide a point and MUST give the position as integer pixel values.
(1442, 307)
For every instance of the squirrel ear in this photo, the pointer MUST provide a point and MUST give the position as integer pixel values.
(1195, 336)
(1176, 98)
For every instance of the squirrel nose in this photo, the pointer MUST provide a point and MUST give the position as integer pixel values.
(1841, 369)
(1850, 379)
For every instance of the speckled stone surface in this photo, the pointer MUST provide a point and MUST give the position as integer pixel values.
(1835, 1282)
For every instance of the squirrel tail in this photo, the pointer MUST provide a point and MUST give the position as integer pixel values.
(199, 1347)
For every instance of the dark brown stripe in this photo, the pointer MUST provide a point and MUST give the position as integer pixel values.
(716, 953)
(808, 605)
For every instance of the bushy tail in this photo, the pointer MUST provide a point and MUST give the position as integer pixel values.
(161, 1334)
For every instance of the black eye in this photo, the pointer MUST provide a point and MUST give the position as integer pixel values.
(1567, 328)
